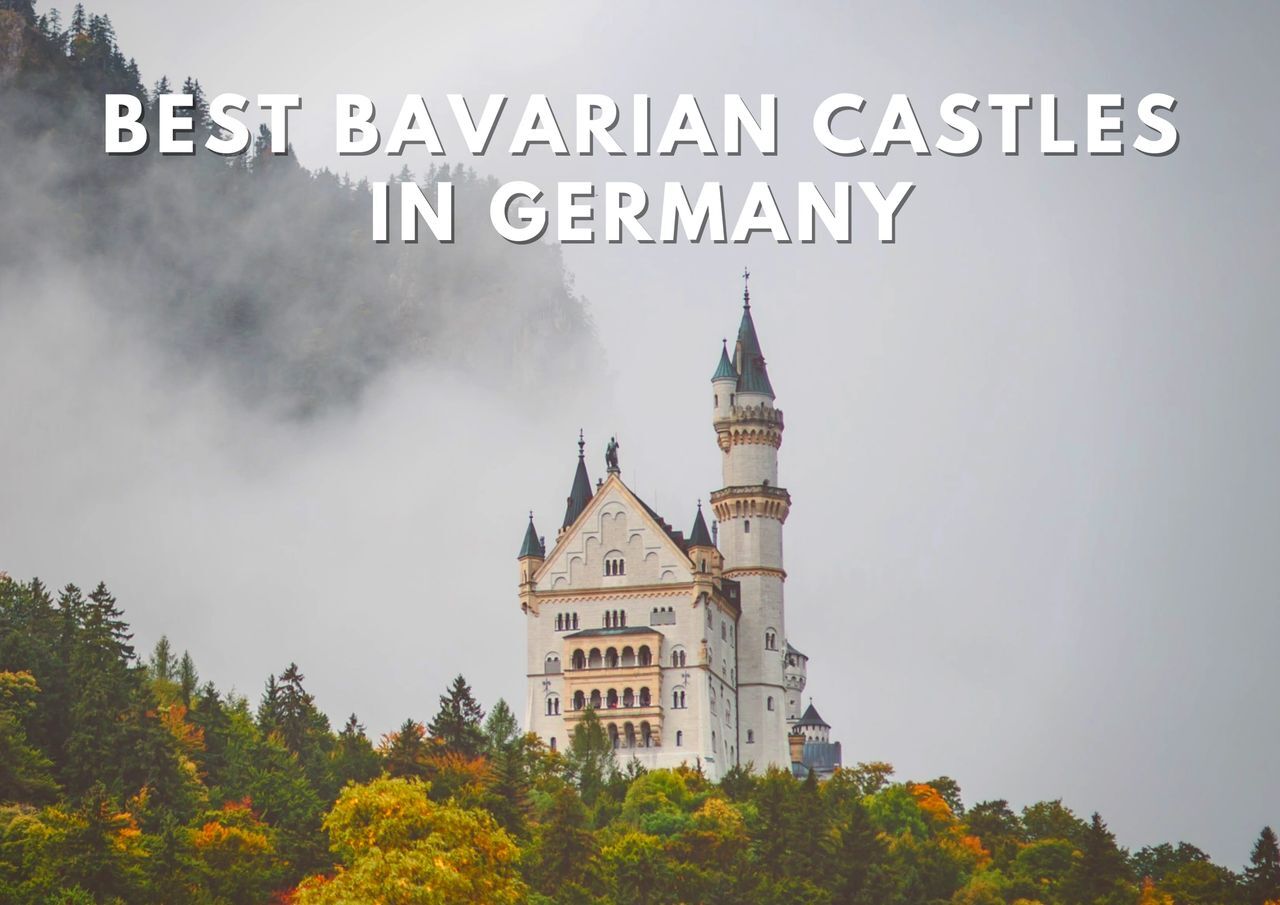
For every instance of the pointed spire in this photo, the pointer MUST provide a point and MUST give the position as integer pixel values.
(725, 370)
(752, 376)
(580, 494)
(532, 546)
(700, 536)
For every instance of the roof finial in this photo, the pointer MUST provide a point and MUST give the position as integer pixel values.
(746, 288)
(530, 516)
(581, 443)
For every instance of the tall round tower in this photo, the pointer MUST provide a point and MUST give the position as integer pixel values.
(752, 508)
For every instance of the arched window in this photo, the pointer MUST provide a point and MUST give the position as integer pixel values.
(579, 700)
(644, 697)
(559, 623)
(553, 705)
(628, 698)
(613, 734)
(611, 658)
(593, 659)
(579, 660)
(746, 526)
(630, 732)
(553, 663)
(595, 699)
(622, 618)
(770, 639)
(646, 737)
(646, 656)
(751, 736)
(553, 743)
(575, 621)
(612, 699)
(628, 656)
(768, 703)
(679, 737)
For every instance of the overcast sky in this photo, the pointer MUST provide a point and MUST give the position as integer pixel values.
(1032, 447)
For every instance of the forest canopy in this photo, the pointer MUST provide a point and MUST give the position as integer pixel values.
(132, 779)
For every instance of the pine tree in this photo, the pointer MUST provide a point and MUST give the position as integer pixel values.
(162, 661)
(188, 678)
(1103, 868)
(354, 759)
(1262, 876)
(404, 752)
(457, 724)
(589, 762)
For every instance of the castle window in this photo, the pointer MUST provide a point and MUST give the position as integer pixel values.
(579, 700)
(611, 658)
(751, 737)
(769, 703)
(646, 656)
(553, 705)
(677, 699)
(575, 621)
(553, 743)
(724, 632)
(615, 565)
(595, 699)
(553, 663)
(770, 640)
(646, 736)
(613, 734)
(644, 697)
(612, 700)
(628, 698)
(559, 622)
(746, 526)
(679, 737)
(579, 660)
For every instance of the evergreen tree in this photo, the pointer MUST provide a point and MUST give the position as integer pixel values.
(188, 678)
(1102, 870)
(457, 724)
(163, 662)
(404, 752)
(354, 759)
(589, 762)
(25, 773)
(1262, 876)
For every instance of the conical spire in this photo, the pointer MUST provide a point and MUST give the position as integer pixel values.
(700, 536)
(580, 495)
(725, 370)
(752, 376)
(532, 546)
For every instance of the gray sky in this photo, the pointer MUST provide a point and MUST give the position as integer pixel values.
(1031, 447)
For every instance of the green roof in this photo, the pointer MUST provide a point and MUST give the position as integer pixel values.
(700, 536)
(532, 546)
(580, 493)
(725, 370)
(752, 376)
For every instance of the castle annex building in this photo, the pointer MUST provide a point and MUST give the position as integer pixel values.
(678, 643)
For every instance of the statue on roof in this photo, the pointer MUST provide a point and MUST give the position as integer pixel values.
(611, 455)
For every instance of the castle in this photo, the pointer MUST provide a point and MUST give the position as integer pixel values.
(677, 643)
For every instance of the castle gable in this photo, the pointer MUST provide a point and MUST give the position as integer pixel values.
(617, 541)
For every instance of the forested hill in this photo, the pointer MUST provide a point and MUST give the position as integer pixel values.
(258, 270)
(132, 781)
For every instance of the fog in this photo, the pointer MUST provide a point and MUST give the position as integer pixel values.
(1031, 446)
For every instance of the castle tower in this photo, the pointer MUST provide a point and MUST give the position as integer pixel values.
(751, 509)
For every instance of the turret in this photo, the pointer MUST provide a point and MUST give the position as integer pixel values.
(702, 550)
(532, 552)
(724, 384)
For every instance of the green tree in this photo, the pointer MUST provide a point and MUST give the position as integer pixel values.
(163, 663)
(354, 759)
(1102, 872)
(25, 773)
(457, 724)
(1262, 876)
(589, 762)
(188, 678)
(404, 752)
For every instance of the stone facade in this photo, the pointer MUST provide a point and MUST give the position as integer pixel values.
(678, 644)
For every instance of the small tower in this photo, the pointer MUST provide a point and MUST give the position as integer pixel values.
(532, 553)
(796, 676)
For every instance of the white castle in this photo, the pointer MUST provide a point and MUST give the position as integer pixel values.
(678, 644)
